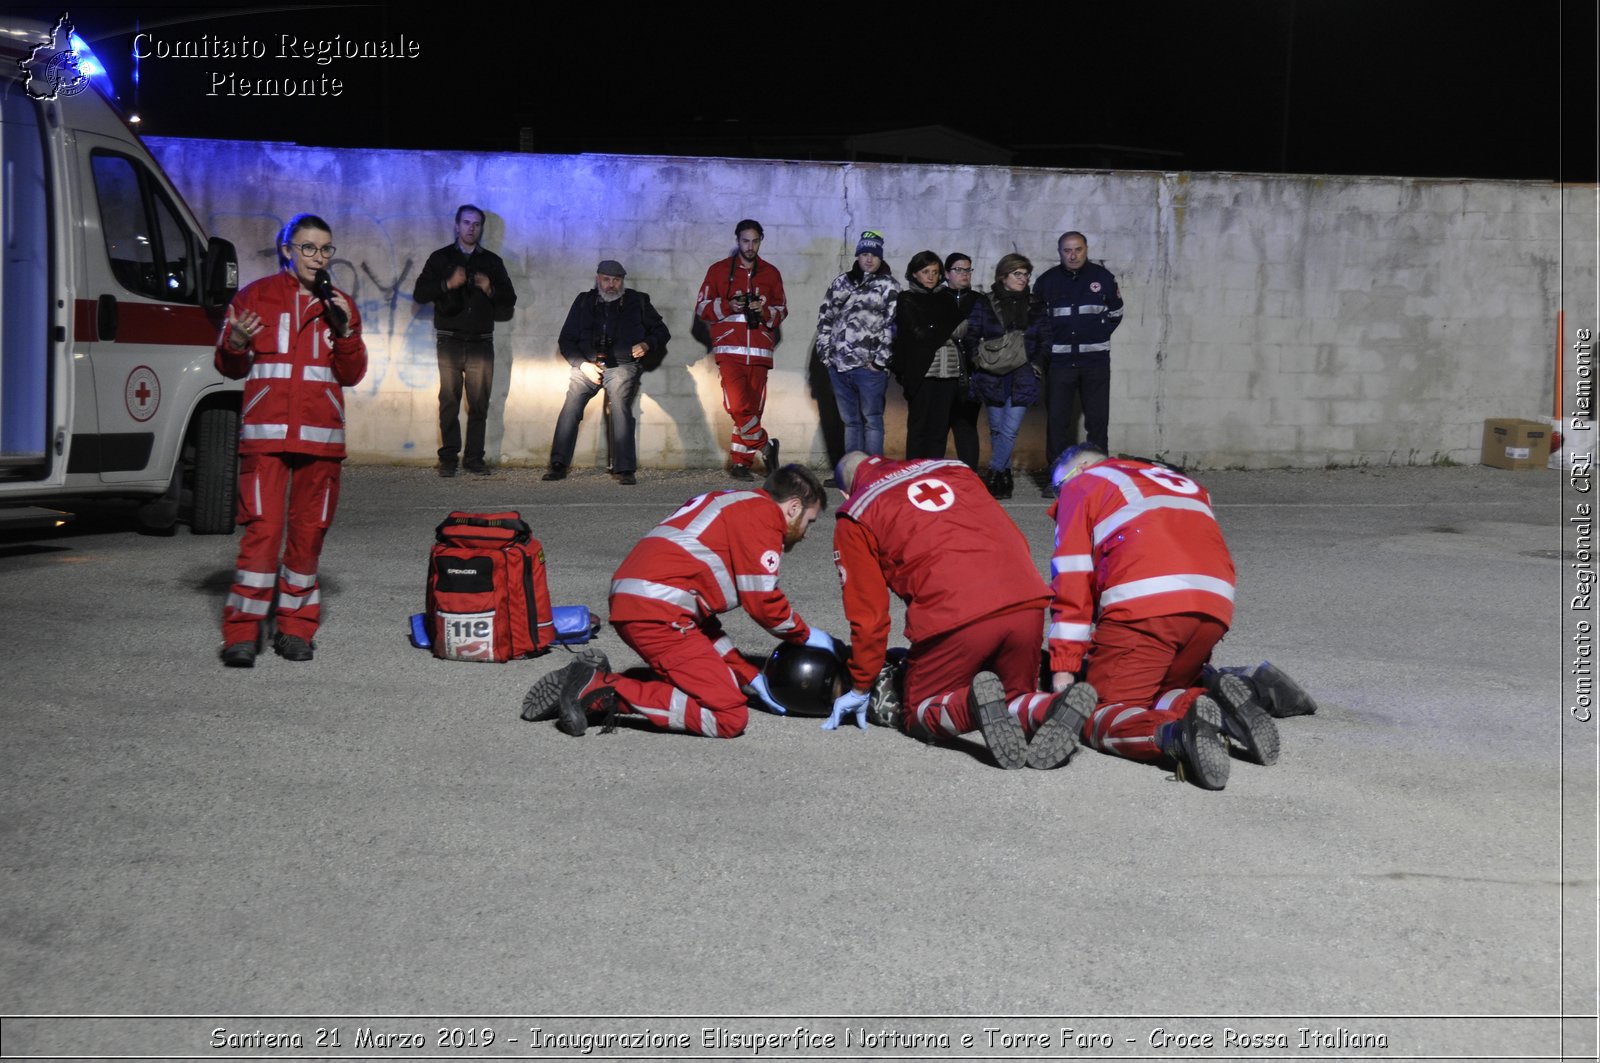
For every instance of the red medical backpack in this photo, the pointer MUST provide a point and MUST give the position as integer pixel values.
(487, 598)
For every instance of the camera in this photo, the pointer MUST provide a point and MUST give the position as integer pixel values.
(741, 301)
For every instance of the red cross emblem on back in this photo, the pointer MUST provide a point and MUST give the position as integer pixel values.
(931, 495)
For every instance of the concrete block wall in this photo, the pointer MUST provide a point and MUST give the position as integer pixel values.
(1271, 320)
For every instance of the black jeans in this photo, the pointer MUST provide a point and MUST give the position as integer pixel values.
(469, 364)
(937, 407)
(1092, 388)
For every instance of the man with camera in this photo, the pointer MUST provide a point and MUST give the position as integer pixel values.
(742, 302)
(608, 330)
(470, 290)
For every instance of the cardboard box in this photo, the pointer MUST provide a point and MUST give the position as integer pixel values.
(1512, 443)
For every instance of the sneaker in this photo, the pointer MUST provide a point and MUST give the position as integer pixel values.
(886, 701)
(558, 471)
(447, 469)
(239, 655)
(543, 700)
(1195, 744)
(476, 466)
(1245, 724)
(1280, 695)
(769, 455)
(292, 647)
(1053, 744)
(987, 703)
(627, 479)
(741, 472)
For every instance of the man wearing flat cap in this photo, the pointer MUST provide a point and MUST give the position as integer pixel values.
(608, 330)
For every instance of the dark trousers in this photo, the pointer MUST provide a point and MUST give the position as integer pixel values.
(464, 365)
(1091, 387)
(937, 407)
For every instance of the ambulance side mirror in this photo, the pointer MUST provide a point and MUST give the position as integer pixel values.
(220, 272)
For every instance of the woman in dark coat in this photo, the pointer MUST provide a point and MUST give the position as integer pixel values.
(1009, 306)
(928, 364)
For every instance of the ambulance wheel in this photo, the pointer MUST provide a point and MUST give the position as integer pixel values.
(216, 471)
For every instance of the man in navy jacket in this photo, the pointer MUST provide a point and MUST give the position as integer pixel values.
(1083, 309)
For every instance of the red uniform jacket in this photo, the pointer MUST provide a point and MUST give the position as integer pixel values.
(731, 336)
(719, 550)
(1133, 541)
(931, 532)
(296, 369)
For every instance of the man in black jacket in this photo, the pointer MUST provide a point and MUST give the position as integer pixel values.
(608, 330)
(470, 290)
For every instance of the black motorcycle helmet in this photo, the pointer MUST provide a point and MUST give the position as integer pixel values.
(805, 679)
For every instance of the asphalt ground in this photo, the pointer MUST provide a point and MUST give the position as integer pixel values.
(378, 833)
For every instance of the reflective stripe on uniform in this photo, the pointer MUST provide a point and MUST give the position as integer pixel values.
(271, 370)
(1067, 632)
(259, 580)
(1144, 588)
(318, 374)
(1105, 528)
(287, 602)
(299, 580)
(264, 431)
(310, 434)
(660, 592)
(249, 606)
(1071, 563)
(756, 583)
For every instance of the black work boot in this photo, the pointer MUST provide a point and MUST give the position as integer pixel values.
(292, 647)
(1245, 724)
(1279, 694)
(543, 700)
(1053, 744)
(1195, 745)
(239, 655)
(987, 704)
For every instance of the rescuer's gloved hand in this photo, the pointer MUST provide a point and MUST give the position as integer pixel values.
(853, 701)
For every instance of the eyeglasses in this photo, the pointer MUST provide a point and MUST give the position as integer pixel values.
(1018, 273)
(960, 269)
(312, 250)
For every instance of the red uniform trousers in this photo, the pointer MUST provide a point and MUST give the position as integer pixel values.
(744, 396)
(701, 673)
(1145, 672)
(939, 672)
(311, 487)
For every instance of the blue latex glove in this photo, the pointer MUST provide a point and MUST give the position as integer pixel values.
(822, 640)
(849, 702)
(759, 685)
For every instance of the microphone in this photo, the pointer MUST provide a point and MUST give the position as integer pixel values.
(322, 288)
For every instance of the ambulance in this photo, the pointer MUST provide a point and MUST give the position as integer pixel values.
(111, 301)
